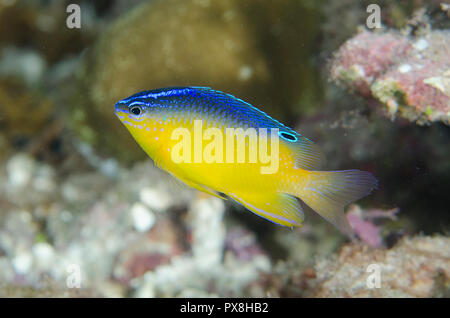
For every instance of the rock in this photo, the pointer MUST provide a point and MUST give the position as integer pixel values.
(155, 199)
(415, 267)
(44, 179)
(192, 273)
(363, 58)
(143, 218)
(242, 244)
(208, 231)
(20, 169)
(7, 273)
(25, 174)
(44, 256)
(24, 64)
(22, 263)
(410, 76)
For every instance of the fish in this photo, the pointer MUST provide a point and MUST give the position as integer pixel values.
(224, 146)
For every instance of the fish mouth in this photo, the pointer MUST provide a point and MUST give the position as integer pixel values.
(121, 109)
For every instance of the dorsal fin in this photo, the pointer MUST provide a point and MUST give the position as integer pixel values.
(308, 155)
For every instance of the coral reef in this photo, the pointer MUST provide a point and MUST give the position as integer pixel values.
(143, 236)
(409, 75)
(415, 267)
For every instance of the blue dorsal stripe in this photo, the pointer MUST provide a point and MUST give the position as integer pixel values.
(241, 110)
(258, 111)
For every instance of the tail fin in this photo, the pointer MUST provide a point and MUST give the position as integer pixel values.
(327, 192)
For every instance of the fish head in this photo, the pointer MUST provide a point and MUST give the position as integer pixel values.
(132, 112)
(138, 115)
(142, 107)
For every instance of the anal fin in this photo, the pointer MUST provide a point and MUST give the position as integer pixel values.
(199, 187)
(280, 208)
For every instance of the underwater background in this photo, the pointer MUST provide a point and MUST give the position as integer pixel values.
(85, 213)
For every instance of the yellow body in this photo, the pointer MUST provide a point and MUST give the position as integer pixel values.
(273, 196)
(241, 181)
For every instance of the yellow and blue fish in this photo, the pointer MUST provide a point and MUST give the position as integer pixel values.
(158, 119)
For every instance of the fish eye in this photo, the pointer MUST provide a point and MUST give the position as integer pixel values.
(288, 136)
(136, 110)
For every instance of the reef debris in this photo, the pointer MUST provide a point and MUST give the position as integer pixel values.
(409, 75)
(415, 267)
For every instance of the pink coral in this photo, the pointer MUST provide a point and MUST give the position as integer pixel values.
(409, 75)
(365, 57)
(365, 229)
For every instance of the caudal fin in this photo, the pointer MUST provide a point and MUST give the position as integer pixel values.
(327, 192)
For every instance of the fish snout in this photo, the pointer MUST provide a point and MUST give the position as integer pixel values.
(121, 109)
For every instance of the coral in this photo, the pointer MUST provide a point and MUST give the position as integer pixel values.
(161, 244)
(409, 75)
(142, 236)
(363, 225)
(365, 57)
(345, 16)
(215, 263)
(415, 267)
(23, 112)
(366, 231)
(38, 24)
